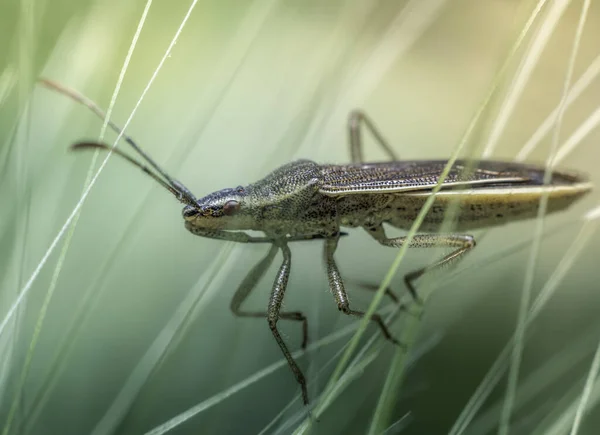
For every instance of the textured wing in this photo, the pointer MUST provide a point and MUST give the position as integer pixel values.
(422, 175)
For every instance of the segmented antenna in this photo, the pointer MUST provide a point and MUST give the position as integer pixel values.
(182, 193)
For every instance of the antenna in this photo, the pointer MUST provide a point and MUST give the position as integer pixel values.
(182, 193)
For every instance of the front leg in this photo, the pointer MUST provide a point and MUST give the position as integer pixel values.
(273, 315)
(231, 236)
(336, 286)
(242, 237)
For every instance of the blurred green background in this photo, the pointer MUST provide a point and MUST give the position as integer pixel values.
(248, 86)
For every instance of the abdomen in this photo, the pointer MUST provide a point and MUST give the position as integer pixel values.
(486, 206)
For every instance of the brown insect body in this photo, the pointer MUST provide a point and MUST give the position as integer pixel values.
(303, 200)
(495, 194)
(306, 200)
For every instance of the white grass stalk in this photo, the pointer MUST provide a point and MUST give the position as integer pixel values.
(495, 373)
(396, 374)
(580, 86)
(587, 392)
(534, 385)
(75, 211)
(65, 249)
(517, 354)
(530, 60)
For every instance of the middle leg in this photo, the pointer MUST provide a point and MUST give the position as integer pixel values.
(336, 286)
(273, 315)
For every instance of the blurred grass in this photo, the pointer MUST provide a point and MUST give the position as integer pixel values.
(249, 86)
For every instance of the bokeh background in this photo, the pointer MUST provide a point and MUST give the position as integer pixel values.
(130, 326)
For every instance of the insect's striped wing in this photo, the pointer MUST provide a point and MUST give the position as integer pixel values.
(422, 175)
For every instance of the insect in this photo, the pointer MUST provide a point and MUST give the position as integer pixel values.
(304, 200)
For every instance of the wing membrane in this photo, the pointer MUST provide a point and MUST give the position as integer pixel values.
(422, 175)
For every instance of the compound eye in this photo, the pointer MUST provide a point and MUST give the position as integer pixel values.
(231, 207)
(189, 212)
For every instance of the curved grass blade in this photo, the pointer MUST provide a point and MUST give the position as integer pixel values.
(395, 376)
(517, 353)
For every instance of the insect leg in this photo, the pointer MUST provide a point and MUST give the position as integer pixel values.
(373, 288)
(231, 236)
(273, 315)
(248, 284)
(242, 237)
(339, 293)
(355, 119)
(462, 242)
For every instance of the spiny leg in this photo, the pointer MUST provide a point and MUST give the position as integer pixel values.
(462, 242)
(339, 293)
(373, 288)
(248, 284)
(355, 119)
(389, 293)
(273, 315)
(242, 237)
